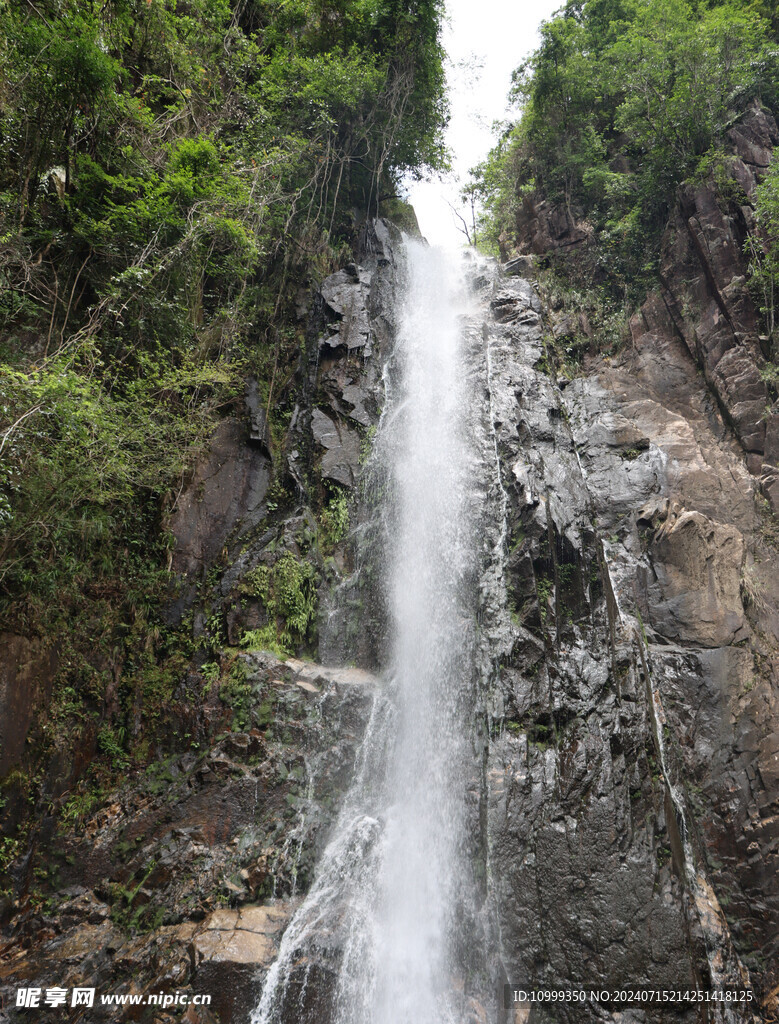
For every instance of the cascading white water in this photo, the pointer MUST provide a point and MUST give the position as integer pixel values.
(429, 570)
(385, 911)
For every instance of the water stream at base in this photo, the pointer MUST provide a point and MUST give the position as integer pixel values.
(393, 893)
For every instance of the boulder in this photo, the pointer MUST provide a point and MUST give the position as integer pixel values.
(249, 935)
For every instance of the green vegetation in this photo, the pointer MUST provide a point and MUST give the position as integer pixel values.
(130, 917)
(111, 743)
(623, 101)
(78, 807)
(545, 589)
(170, 177)
(173, 174)
(334, 520)
(763, 254)
(237, 693)
(663, 854)
(265, 639)
(287, 590)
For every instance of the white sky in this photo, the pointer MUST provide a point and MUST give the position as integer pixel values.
(485, 41)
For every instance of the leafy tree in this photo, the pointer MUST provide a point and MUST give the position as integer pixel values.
(763, 252)
(173, 173)
(620, 103)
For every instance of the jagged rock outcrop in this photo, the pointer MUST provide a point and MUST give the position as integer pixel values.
(341, 460)
(632, 783)
(694, 591)
(704, 289)
(543, 227)
(353, 318)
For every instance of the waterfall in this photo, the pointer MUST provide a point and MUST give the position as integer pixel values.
(382, 936)
(429, 568)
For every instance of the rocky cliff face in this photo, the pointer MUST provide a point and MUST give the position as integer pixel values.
(632, 773)
(650, 480)
(184, 877)
(185, 880)
(703, 298)
(625, 792)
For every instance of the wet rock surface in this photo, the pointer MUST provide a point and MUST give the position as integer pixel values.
(629, 772)
(185, 880)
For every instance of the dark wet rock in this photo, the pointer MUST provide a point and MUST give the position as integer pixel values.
(631, 514)
(241, 824)
(27, 670)
(226, 493)
(341, 460)
(381, 242)
(704, 470)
